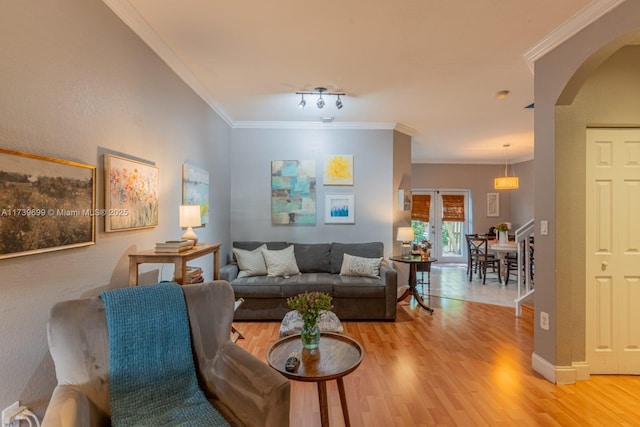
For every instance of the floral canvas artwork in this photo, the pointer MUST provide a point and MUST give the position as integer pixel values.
(195, 189)
(131, 194)
(293, 192)
(338, 169)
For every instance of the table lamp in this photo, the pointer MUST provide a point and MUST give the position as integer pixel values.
(190, 217)
(406, 236)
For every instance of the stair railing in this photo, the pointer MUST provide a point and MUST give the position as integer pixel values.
(525, 255)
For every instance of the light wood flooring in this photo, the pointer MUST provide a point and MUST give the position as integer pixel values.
(467, 365)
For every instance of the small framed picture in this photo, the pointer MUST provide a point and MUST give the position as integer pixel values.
(405, 200)
(493, 204)
(339, 209)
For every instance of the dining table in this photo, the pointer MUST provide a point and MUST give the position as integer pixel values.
(502, 249)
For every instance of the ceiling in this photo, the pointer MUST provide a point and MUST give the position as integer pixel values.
(429, 68)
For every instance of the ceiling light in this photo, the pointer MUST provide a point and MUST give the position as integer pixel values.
(506, 182)
(320, 103)
(502, 94)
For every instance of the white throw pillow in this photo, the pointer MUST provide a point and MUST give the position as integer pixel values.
(358, 266)
(281, 263)
(251, 263)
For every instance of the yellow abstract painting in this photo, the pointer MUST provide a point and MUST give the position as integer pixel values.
(338, 169)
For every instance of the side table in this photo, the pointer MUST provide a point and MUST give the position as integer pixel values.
(336, 356)
(413, 262)
(178, 259)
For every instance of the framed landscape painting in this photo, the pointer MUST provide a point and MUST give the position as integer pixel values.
(46, 204)
(131, 194)
(339, 209)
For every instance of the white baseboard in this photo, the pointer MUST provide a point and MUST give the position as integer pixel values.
(578, 371)
(543, 367)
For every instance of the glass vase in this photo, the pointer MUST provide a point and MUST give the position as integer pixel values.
(310, 335)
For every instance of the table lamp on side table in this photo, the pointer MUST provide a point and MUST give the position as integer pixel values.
(190, 217)
(406, 236)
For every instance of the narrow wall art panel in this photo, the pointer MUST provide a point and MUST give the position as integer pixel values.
(293, 192)
(195, 189)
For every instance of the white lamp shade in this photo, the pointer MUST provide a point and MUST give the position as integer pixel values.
(190, 216)
(405, 234)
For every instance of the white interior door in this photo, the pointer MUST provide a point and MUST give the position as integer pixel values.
(613, 251)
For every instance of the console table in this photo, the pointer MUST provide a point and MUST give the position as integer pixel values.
(178, 259)
(413, 262)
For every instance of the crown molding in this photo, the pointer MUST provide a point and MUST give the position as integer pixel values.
(314, 125)
(580, 20)
(130, 16)
(402, 128)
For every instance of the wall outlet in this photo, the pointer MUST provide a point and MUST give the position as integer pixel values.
(544, 320)
(9, 413)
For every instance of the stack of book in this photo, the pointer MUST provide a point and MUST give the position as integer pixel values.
(193, 275)
(174, 246)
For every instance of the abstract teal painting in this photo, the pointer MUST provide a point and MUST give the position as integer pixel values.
(293, 192)
(195, 189)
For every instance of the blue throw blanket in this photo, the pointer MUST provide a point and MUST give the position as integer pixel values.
(152, 374)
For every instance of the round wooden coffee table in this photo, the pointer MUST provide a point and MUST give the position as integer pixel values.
(336, 356)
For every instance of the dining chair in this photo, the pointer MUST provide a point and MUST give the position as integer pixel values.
(421, 269)
(512, 261)
(470, 254)
(481, 259)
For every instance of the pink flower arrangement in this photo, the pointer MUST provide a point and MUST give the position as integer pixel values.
(310, 304)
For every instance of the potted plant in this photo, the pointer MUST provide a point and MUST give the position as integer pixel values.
(309, 305)
(502, 228)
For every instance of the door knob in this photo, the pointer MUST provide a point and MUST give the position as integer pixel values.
(604, 265)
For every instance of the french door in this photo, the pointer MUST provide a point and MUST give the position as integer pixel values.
(445, 224)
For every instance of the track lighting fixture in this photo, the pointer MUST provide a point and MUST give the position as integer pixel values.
(320, 103)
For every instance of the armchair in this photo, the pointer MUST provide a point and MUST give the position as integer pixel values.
(245, 390)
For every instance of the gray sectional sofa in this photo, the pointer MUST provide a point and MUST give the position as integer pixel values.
(354, 297)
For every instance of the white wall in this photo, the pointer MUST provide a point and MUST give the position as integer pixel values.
(516, 206)
(251, 156)
(76, 82)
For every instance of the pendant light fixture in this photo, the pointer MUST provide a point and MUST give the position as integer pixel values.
(320, 103)
(506, 182)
